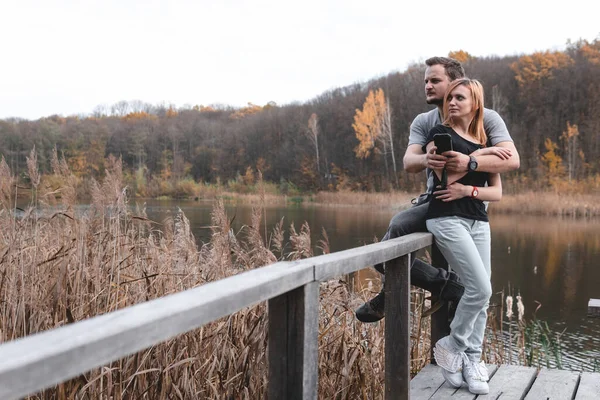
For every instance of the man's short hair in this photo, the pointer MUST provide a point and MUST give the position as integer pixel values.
(453, 68)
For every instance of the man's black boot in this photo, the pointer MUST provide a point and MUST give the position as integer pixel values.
(372, 310)
(441, 283)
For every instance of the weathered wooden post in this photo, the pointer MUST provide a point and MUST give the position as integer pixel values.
(397, 328)
(293, 344)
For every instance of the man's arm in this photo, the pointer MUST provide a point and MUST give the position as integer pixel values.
(414, 159)
(495, 164)
(458, 162)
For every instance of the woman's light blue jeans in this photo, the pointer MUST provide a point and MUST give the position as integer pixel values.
(466, 243)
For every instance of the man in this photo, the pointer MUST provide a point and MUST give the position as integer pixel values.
(439, 73)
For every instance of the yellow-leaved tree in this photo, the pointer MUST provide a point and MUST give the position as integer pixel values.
(373, 124)
(539, 66)
(367, 123)
(552, 162)
(460, 55)
(591, 51)
(245, 111)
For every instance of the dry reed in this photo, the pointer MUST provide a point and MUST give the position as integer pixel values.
(59, 265)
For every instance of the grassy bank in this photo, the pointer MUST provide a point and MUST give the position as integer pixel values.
(530, 203)
(549, 204)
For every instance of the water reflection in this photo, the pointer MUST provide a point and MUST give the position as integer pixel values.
(552, 261)
(346, 227)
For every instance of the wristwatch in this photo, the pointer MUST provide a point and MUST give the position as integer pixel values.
(475, 192)
(472, 163)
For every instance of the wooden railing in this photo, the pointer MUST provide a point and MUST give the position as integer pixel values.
(39, 361)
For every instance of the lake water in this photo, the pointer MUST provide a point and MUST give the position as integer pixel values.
(553, 263)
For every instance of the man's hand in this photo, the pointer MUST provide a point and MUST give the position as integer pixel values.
(452, 192)
(435, 161)
(501, 152)
(457, 162)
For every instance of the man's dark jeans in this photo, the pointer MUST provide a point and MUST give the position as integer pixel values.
(406, 222)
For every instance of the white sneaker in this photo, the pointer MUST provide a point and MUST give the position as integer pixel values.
(476, 376)
(483, 370)
(450, 361)
(454, 379)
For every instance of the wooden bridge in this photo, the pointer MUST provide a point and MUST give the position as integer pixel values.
(40, 361)
(511, 382)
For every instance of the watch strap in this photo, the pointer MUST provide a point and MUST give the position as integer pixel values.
(472, 163)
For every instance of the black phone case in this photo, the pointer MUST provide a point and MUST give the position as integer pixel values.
(443, 142)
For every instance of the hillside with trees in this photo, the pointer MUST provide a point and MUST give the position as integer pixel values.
(350, 138)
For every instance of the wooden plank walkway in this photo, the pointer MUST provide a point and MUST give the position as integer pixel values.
(509, 382)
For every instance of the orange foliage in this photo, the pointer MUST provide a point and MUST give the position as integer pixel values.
(136, 116)
(552, 162)
(591, 51)
(539, 66)
(460, 55)
(571, 132)
(202, 108)
(245, 111)
(368, 123)
(171, 112)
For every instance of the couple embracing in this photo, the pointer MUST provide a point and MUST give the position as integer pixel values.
(462, 178)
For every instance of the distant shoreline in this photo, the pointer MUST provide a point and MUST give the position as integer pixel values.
(530, 203)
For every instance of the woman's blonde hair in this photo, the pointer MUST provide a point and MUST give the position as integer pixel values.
(476, 126)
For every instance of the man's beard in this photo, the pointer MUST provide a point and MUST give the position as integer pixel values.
(437, 102)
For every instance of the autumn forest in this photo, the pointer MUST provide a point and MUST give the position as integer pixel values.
(348, 138)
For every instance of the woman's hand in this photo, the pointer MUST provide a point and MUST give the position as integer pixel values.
(453, 191)
(501, 152)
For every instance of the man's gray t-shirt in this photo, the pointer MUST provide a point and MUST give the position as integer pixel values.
(494, 127)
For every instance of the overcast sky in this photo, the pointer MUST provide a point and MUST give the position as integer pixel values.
(66, 57)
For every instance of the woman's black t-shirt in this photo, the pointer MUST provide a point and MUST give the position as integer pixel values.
(466, 207)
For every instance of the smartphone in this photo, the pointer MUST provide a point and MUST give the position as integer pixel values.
(443, 142)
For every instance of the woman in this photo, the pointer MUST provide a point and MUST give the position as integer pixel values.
(457, 217)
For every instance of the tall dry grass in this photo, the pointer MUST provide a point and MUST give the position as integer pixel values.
(60, 264)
